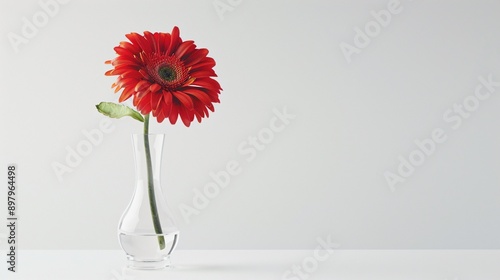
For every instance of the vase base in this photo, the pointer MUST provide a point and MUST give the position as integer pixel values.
(148, 265)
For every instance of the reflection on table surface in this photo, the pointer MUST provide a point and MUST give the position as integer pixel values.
(262, 264)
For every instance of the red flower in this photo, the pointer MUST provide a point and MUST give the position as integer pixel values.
(166, 76)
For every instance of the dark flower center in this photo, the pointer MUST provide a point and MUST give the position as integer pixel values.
(167, 73)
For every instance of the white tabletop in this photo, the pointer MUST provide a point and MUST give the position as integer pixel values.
(292, 265)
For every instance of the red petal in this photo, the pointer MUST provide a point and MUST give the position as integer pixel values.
(214, 96)
(154, 88)
(139, 40)
(173, 114)
(132, 37)
(135, 100)
(174, 41)
(120, 69)
(117, 87)
(127, 92)
(144, 104)
(199, 94)
(141, 85)
(200, 109)
(207, 62)
(144, 74)
(142, 93)
(203, 73)
(161, 117)
(195, 57)
(124, 52)
(156, 98)
(184, 48)
(123, 59)
(186, 117)
(157, 40)
(184, 99)
(166, 42)
(167, 103)
(126, 81)
(150, 38)
(130, 47)
(207, 83)
(132, 74)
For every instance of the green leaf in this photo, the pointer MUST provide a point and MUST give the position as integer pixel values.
(117, 111)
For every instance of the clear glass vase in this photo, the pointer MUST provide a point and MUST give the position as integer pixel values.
(147, 232)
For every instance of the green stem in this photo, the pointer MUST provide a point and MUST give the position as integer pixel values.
(151, 190)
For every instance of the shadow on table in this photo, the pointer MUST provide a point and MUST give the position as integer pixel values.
(198, 270)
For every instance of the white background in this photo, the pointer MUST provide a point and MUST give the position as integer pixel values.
(323, 175)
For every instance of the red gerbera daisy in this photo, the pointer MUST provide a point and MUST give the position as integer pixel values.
(165, 76)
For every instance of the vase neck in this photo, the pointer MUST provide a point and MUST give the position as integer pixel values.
(146, 159)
